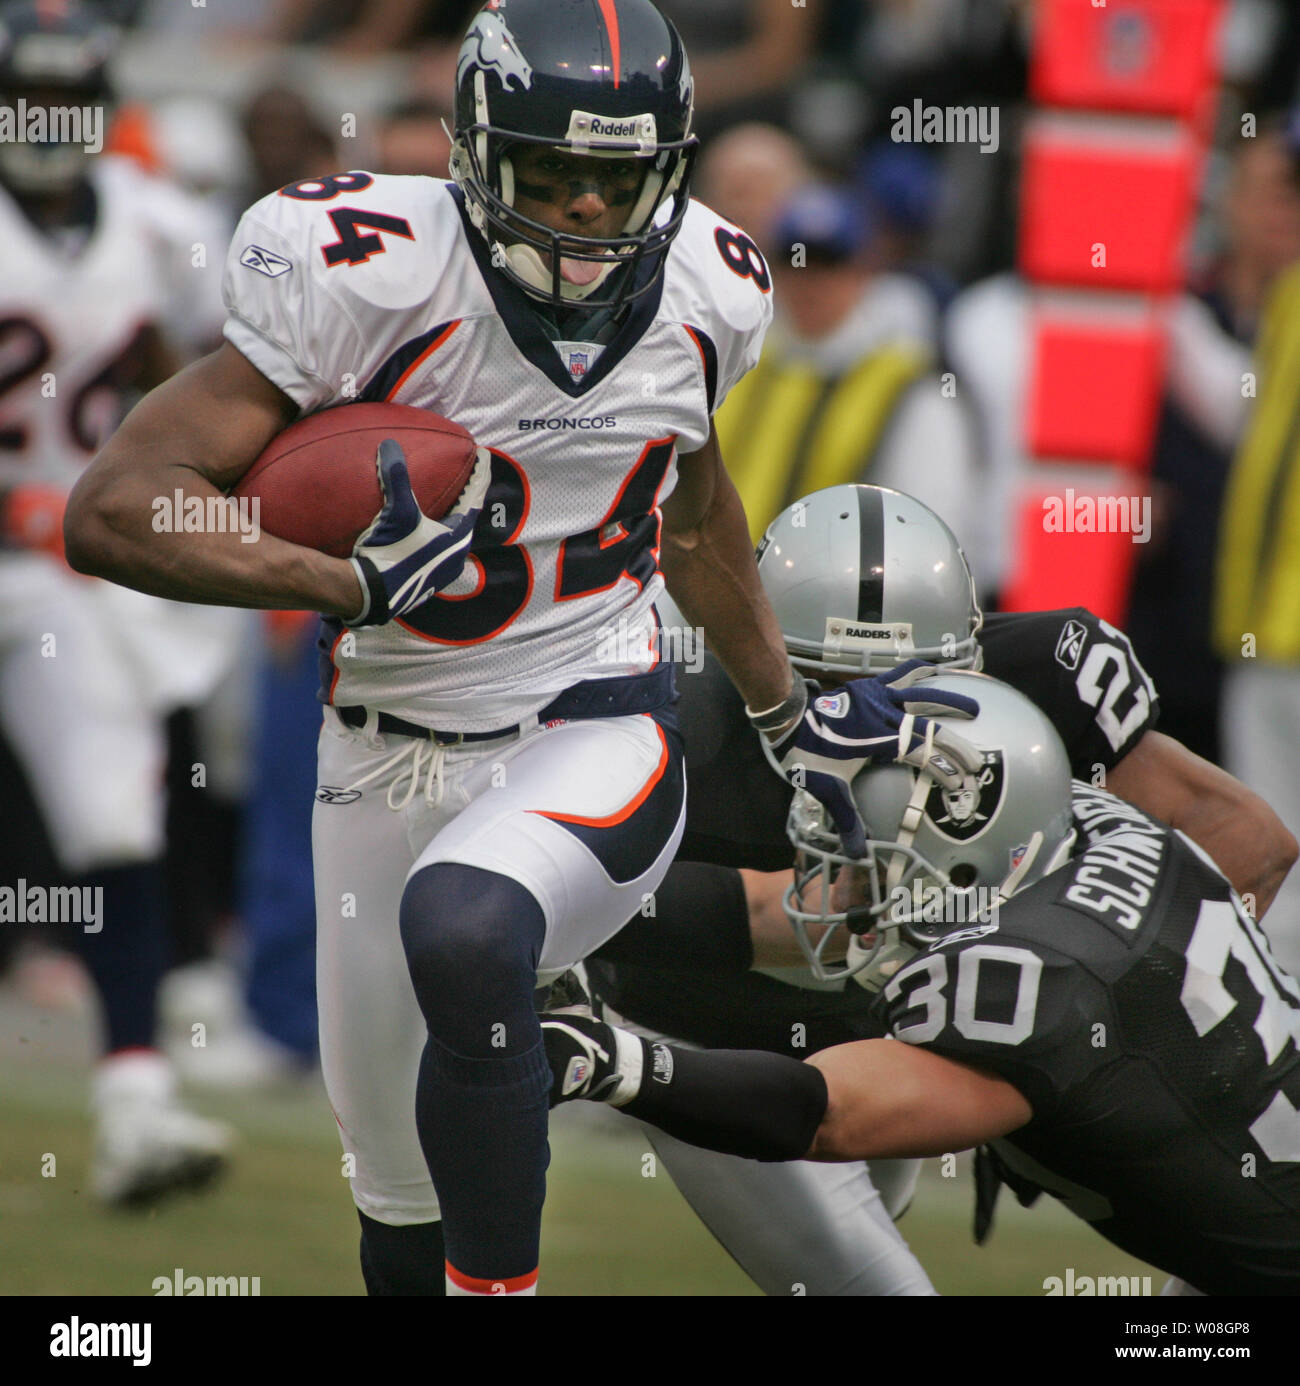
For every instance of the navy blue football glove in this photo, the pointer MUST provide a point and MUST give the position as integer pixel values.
(874, 721)
(405, 558)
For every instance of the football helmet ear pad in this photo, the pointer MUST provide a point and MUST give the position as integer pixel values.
(599, 78)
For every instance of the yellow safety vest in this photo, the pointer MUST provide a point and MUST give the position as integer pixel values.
(786, 430)
(1258, 575)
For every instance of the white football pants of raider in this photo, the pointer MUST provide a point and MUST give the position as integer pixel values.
(586, 815)
(797, 1228)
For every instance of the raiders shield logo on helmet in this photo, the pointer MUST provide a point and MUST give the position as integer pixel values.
(964, 813)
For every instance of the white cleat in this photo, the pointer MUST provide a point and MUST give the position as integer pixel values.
(210, 1037)
(146, 1144)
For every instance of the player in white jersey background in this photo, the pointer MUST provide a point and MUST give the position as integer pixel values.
(103, 290)
(500, 771)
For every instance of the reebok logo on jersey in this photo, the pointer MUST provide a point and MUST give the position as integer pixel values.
(662, 1071)
(330, 794)
(265, 262)
(1069, 646)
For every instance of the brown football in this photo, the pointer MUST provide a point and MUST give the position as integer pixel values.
(317, 483)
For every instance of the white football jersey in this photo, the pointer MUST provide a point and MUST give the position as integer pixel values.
(74, 305)
(364, 287)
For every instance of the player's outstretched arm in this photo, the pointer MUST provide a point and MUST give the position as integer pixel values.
(198, 434)
(871, 1099)
(887, 1099)
(1248, 841)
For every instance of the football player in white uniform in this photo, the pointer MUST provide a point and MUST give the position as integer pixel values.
(99, 271)
(501, 783)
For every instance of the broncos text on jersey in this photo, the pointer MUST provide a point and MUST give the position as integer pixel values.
(367, 287)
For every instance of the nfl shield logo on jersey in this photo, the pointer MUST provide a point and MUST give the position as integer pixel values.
(578, 361)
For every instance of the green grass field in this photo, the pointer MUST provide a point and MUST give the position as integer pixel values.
(284, 1213)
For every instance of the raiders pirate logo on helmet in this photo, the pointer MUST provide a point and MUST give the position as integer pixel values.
(964, 813)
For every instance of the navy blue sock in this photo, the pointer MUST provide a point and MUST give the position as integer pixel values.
(402, 1260)
(472, 941)
(127, 956)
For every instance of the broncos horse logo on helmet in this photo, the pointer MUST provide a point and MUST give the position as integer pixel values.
(489, 44)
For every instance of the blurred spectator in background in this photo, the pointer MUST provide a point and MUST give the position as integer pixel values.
(194, 141)
(1203, 413)
(845, 390)
(1260, 53)
(1201, 420)
(1257, 597)
(749, 174)
(902, 184)
(286, 140)
(745, 54)
(243, 18)
(361, 28)
(412, 140)
(954, 53)
(1261, 225)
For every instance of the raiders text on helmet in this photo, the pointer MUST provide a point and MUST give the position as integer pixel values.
(604, 78)
(937, 860)
(862, 578)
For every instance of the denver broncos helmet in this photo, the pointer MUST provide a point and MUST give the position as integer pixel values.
(52, 53)
(602, 78)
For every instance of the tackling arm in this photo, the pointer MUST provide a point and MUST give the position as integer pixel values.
(1248, 841)
(871, 1099)
(197, 433)
(890, 1100)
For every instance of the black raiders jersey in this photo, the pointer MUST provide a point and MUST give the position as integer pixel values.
(1079, 669)
(1137, 1006)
